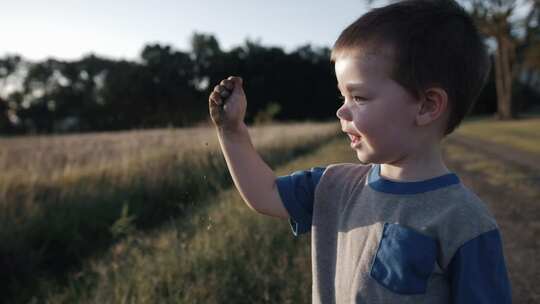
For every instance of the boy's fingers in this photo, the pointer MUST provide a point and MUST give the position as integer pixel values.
(236, 80)
(222, 90)
(227, 83)
(215, 97)
(218, 88)
(225, 94)
(215, 113)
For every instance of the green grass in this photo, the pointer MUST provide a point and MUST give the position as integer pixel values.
(216, 250)
(494, 172)
(225, 253)
(49, 227)
(523, 134)
(512, 193)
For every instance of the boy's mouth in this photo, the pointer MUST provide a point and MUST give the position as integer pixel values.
(354, 138)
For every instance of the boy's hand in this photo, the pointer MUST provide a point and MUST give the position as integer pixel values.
(227, 104)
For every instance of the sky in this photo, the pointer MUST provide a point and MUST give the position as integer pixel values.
(70, 29)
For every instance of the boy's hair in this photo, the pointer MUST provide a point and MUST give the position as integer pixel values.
(432, 43)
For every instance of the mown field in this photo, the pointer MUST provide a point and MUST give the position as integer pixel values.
(65, 199)
(521, 134)
(216, 250)
(500, 162)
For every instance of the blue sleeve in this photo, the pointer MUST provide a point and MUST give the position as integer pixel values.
(478, 273)
(297, 193)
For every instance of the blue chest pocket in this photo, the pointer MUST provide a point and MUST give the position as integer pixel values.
(404, 260)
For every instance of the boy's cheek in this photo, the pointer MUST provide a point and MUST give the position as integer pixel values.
(364, 125)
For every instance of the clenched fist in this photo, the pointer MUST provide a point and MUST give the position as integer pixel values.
(227, 103)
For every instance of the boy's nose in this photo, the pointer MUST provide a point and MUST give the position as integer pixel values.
(343, 112)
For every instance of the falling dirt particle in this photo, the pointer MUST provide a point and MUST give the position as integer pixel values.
(209, 224)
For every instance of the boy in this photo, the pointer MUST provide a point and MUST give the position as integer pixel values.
(399, 227)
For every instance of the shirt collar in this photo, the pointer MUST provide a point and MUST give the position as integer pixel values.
(383, 185)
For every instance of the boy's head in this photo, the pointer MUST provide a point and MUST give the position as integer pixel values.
(423, 44)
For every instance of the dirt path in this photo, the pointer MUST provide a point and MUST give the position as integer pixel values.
(514, 199)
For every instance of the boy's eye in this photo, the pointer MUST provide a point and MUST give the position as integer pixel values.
(359, 99)
(356, 99)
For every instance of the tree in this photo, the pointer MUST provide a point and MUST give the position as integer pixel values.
(8, 66)
(207, 57)
(496, 19)
(171, 87)
(531, 57)
(167, 87)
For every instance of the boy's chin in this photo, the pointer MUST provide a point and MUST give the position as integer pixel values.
(368, 159)
(363, 159)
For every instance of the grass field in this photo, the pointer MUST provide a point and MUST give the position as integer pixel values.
(512, 192)
(228, 254)
(66, 198)
(215, 249)
(522, 134)
(225, 253)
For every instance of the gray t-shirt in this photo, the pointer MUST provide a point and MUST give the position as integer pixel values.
(380, 241)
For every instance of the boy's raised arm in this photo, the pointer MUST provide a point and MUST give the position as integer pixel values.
(253, 178)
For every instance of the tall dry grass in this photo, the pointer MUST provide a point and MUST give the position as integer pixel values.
(229, 254)
(225, 253)
(61, 196)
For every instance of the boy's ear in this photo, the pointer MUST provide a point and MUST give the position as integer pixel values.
(432, 106)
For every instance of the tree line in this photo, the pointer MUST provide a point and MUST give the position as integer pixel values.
(167, 87)
(517, 47)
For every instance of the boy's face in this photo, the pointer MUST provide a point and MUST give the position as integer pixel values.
(378, 114)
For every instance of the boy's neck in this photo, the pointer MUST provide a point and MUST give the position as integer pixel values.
(422, 165)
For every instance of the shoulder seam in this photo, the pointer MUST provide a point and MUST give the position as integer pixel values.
(463, 243)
